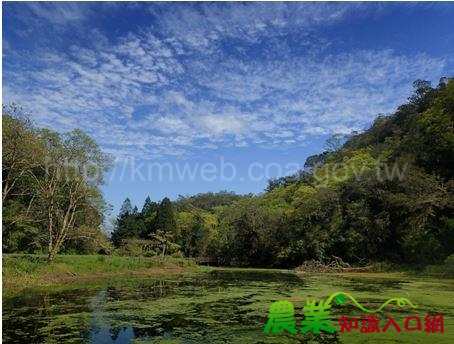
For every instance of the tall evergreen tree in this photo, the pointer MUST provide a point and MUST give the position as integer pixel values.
(165, 218)
(126, 208)
(130, 224)
(148, 214)
(149, 207)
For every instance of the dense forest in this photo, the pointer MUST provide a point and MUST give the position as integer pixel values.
(382, 195)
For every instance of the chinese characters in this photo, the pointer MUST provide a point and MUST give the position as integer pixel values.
(281, 318)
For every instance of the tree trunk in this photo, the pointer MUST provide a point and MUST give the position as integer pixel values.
(56, 241)
(53, 251)
(50, 239)
(51, 255)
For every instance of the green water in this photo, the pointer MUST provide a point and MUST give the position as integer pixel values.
(223, 306)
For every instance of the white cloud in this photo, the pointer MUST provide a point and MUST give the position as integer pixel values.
(59, 13)
(218, 125)
(168, 89)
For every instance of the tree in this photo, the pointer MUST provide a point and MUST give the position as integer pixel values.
(206, 201)
(149, 207)
(126, 208)
(67, 182)
(22, 152)
(164, 242)
(423, 94)
(420, 207)
(165, 218)
(335, 142)
(193, 235)
(129, 224)
(22, 149)
(251, 231)
(88, 240)
(49, 180)
(313, 161)
(435, 136)
(148, 213)
(364, 228)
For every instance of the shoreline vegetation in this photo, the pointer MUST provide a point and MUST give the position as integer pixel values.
(21, 271)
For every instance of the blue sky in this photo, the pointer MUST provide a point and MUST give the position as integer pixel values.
(189, 83)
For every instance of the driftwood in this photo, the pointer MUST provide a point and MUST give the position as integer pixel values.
(335, 264)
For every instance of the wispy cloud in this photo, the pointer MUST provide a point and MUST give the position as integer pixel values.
(210, 75)
(58, 13)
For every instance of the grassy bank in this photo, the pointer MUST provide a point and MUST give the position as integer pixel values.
(27, 270)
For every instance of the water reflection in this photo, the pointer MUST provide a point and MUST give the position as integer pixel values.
(213, 307)
(179, 306)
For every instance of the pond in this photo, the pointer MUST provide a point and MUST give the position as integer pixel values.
(219, 306)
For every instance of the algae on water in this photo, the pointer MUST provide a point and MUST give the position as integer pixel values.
(216, 307)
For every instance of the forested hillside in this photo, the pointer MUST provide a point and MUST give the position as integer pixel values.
(382, 195)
